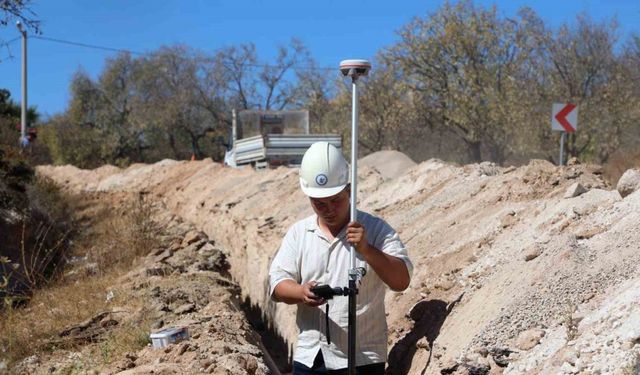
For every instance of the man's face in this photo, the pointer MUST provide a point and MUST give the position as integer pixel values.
(333, 210)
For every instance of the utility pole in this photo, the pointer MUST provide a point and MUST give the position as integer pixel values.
(23, 117)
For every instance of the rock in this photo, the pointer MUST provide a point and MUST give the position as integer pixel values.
(529, 338)
(176, 245)
(575, 190)
(500, 355)
(164, 255)
(110, 296)
(570, 357)
(573, 174)
(108, 321)
(157, 270)
(508, 220)
(422, 343)
(532, 253)
(629, 182)
(184, 309)
(633, 335)
(194, 246)
(208, 247)
(213, 261)
(573, 161)
(445, 284)
(183, 348)
(476, 363)
(193, 236)
(449, 366)
(567, 368)
(483, 351)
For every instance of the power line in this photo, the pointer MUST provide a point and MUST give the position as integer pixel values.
(111, 49)
(6, 44)
(11, 41)
(78, 44)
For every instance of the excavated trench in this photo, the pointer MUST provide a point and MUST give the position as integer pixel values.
(276, 349)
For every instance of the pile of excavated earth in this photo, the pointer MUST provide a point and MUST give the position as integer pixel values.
(528, 270)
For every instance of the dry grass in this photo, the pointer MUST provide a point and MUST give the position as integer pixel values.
(570, 324)
(111, 241)
(127, 338)
(24, 331)
(126, 235)
(37, 242)
(633, 367)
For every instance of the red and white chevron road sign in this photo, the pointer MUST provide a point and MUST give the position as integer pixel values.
(564, 117)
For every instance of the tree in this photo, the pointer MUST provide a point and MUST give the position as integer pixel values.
(462, 61)
(18, 10)
(387, 115)
(10, 113)
(102, 123)
(253, 84)
(186, 98)
(585, 70)
(169, 103)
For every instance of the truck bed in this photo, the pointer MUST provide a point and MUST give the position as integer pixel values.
(279, 149)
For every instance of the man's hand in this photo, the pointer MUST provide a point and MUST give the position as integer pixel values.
(356, 237)
(308, 297)
(393, 271)
(290, 292)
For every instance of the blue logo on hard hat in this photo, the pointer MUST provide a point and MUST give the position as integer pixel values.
(321, 179)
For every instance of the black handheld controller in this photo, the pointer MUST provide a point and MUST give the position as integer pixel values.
(327, 292)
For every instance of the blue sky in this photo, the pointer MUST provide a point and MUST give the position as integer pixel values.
(332, 30)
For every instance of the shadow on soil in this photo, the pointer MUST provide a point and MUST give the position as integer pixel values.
(276, 345)
(429, 316)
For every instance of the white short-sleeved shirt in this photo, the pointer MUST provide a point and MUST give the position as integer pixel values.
(307, 255)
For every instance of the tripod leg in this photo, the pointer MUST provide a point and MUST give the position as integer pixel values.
(351, 355)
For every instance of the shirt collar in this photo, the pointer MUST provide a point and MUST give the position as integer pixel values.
(311, 225)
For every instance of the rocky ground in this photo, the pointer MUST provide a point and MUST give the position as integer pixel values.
(517, 270)
(184, 283)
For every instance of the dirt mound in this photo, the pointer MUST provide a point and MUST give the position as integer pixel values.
(497, 252)
(390, 164)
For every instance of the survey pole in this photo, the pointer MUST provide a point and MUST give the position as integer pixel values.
(353, 69)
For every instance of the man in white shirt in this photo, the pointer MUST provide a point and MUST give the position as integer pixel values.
(316, 251)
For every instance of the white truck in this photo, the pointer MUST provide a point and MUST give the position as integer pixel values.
(272, 138)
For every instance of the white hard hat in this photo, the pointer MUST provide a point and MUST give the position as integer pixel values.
(324, 171)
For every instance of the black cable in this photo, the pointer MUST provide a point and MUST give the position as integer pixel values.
(11, 41)
(6, 44)
(87, 45)
(326, 322)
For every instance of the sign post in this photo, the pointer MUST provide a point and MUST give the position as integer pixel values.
(564, 118)
(563, 135)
